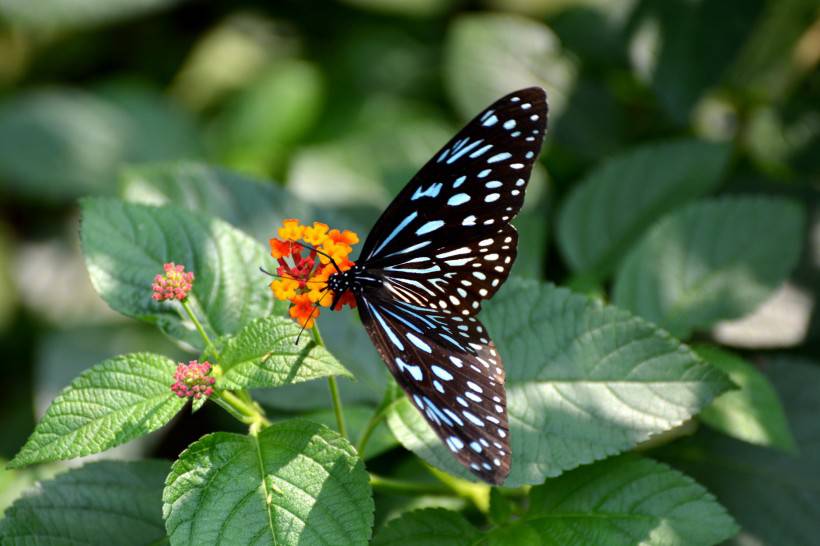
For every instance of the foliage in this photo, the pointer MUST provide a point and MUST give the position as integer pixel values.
(676, 195)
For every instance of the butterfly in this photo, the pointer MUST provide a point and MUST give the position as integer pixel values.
(442, 246)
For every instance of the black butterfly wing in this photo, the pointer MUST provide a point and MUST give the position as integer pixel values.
(440, 248)
(450, 224)
(452, 373)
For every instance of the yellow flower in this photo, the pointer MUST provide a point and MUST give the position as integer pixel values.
(321, 296)
(292, 230)
(284, 289)
(316, 234)
(304, 279)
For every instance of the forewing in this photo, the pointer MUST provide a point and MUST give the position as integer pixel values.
(454, 280)
(469, 190)
(451, 372)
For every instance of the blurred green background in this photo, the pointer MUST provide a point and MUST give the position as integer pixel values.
(340, 103)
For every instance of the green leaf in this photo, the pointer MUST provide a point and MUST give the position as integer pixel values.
(265, 354)
(752, 413)
(584, 381)
(254, 206)
(52, 15)
(258, 209)
(356, 419)
(775, 496)
(710, 261)
(533, 225)
(428, 527)
(412, 8)
(490, 55)
(115, 401)
(626, 500)
(102, 503)
(760, 68)
(500, 507)
(257, 129)
(698, 40)
(348, 342)
(61, 143)
(381, 150)
(297, 482)
(612, 206)
(125, 245)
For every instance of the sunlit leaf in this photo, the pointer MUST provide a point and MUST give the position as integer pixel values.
(713, 260)
(125, 246)
(295, 483)
(612, 206)
(625, 500)
(584, 381)
(113, 402)
(264, 354)
(254, 206)
(752, 413)
(490, 55)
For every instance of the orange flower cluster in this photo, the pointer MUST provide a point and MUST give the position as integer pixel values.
(303, 279)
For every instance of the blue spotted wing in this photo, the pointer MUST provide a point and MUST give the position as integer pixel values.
(440, 248)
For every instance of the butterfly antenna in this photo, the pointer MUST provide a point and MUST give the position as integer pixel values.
(325, 254)
(312, 312)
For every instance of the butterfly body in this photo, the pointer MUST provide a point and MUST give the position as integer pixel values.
(440, 248)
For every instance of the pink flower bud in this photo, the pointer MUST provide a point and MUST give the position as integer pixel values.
(174, 284)
(192, 380)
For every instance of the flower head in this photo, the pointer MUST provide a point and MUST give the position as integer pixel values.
(174, 284)
(193, 381)
(304, 270)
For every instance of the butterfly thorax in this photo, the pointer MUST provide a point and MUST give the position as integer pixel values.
(356, 279)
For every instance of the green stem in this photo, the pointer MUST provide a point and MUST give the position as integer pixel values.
(334, 390)
(198, 325)
(372, 424)
(402, 487)
(227, 406)
(477, 493)
(239, 404)
(248, 413)
(376, 418)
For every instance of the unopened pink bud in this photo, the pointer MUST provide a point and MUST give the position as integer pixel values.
(192, 380)
(174, 285)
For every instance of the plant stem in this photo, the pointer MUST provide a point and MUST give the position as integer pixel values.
(239, 404)
(334, 389)
(477, 493)
(407, 488)
(198, 325)
(375, 419)
(248, 413)
(227, 406)
(372, 424)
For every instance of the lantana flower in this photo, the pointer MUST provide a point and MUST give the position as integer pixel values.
(304, 272)
(174, 284)
(193, 380)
